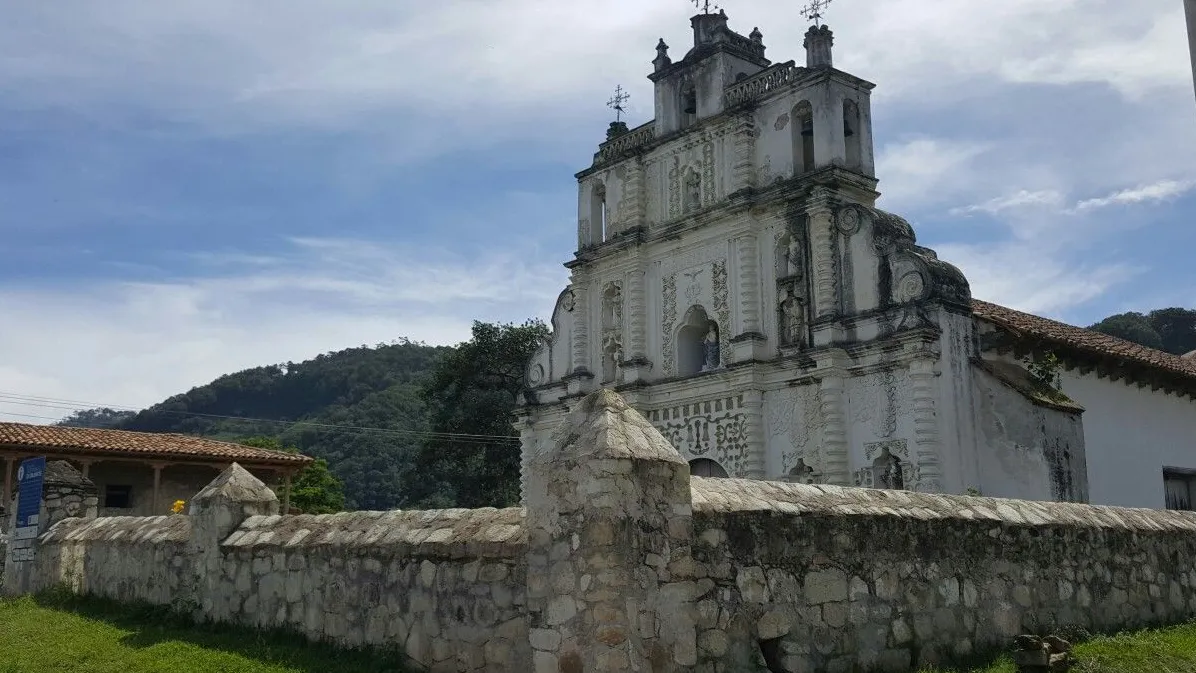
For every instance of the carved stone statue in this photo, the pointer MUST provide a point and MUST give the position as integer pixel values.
(793, 258)
(792, 313)
(711, 346)
(693, 191)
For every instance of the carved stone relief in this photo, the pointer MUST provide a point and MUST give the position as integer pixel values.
(668, 321)
(722, 308)
(793, 414)
(889, 466)
(849, 221)
(708, 186)
(715, 429)
(781, 122)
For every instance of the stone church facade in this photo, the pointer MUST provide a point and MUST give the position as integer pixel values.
(736, 283)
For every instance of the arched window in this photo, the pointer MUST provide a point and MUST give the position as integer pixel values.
(697, 343)
(689, 105)
(851, 133)
(693, 191)
(803, 138)
(704, 467)
(598, 214)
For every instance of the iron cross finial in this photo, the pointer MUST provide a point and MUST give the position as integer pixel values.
(616, 102)
(704, 5)
(814, 11)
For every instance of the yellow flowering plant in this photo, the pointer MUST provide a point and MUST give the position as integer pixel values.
(178, 507)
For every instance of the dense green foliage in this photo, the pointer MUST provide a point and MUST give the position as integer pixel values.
(358, 409)
(376, 419)
(61, 633)
(315, 490)
(1165, 650)
(1168, 329)
(97, 418)
(472, 391)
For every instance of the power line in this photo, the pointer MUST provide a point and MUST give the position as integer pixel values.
(77, 405)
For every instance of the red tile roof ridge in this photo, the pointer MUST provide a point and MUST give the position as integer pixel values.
(130, 442)
(1083, 339)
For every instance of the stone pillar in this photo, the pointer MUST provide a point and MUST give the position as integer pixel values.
(753, 409)
(609, 522)
(637, 366)
(749, 343)
(822, 242)
(65, 494)
(928, 472)
(836, 466)
(743, 171)
(580, 376)
(216, 511)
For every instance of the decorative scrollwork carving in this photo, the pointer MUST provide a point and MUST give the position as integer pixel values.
(911, 287)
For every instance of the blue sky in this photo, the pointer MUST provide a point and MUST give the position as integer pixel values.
(190, 188)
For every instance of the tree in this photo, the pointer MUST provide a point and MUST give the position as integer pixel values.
(471, 456)
(1131, 327)
(1177, 327)
(1167, 329)
(315, 490)
(96, 418)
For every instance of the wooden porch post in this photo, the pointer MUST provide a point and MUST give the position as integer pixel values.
(86, 464)
(157, 481)
(286, 494)
(7, 482)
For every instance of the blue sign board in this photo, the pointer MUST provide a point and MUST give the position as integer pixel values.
(30, 476)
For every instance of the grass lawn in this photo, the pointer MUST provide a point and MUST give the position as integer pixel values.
(68, 634)
(1168, 650)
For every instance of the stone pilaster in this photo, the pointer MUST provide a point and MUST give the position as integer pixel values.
(757, 443)
(749, 343)
(822, 241)
(633, 194)
(215, 512)
(928, 471)
(637, 366)
(608, 520)
(743, 170)
(836, 466)
(580, 375)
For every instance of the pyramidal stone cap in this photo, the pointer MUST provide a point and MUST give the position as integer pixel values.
(236, 484)
(604, 426)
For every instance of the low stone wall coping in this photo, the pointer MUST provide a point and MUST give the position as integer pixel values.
(716, 496)
(448, 533)
(121, 529)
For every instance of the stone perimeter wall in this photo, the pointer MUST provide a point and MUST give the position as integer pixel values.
(622, 561)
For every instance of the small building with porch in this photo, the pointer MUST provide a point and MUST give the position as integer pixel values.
(140, 473)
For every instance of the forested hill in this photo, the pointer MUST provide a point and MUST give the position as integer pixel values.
(400, 425)
(367, 387)
(1167, 329)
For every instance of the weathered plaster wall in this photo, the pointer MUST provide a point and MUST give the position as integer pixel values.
(177, 482)
(1030, 450)
(827, 578)
(1126, 459)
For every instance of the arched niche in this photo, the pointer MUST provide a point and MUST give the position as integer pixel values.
(887, 471)
(704, 467)
(692, 195)
(803, 138)
(851, 134)
(697, 342)
(599, 226)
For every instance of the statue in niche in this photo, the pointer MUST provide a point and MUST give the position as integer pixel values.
(711, 346)
(801, 473)
(693, 191)
(793, 258)
(612, 358)
(887, 470)
(792, 313)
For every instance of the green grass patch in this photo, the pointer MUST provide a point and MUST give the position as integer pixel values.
(62, 633)
(1162, 650)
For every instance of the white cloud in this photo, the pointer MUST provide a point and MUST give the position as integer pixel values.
(926, 171)
(133, 344)
(1164, 190)
(1021, 199)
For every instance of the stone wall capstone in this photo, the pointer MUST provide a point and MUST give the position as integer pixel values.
(622, 561)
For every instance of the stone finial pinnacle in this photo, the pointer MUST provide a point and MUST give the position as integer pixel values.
(662, 59)
(603, 425)
(237, 484)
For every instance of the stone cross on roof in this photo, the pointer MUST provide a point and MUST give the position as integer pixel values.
(814, 11)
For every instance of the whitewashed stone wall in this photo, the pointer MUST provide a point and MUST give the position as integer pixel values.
(622, 561)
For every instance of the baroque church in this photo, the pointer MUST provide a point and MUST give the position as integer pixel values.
(736, 283)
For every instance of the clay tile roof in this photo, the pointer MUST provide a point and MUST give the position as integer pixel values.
(1083, 340)
(95, 442)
